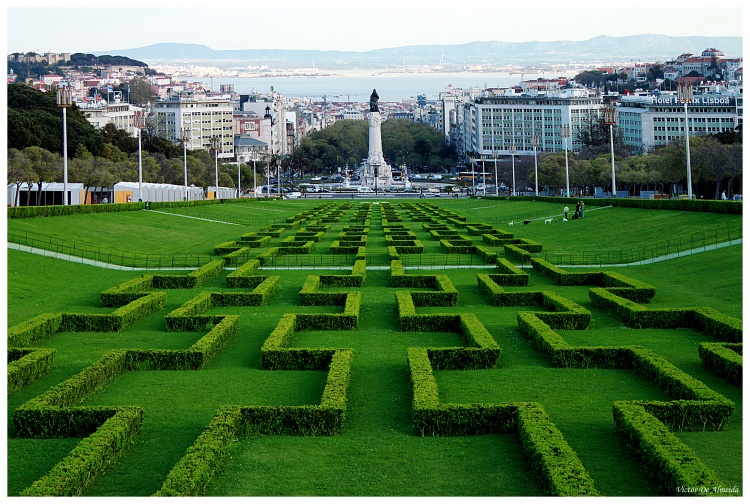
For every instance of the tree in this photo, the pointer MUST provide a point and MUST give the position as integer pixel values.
(141, 92)
(19, 170)
(714, 157)
(46, 165)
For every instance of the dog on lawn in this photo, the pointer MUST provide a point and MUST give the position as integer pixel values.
(548, 221)
(510, 223)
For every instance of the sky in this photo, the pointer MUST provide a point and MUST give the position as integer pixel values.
(350, 24)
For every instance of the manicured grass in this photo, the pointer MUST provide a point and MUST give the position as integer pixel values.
(378, 453)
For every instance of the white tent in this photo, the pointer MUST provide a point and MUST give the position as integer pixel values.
(224, 192)
(52, 194)
(155, 192)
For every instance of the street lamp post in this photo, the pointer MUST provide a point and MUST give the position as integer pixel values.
(684, 96)
(65, 100)
(215, 143)
(268, 179)
(535, 143)
(184, 155)
(484, 182)
(497, 185)
(255, 180)
(513, 164)
(610, 118)
(473, 177)
(278, 175)
(139, 119)
(239, 194)
(565, 133)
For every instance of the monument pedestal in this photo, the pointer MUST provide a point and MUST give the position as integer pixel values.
(377, 172)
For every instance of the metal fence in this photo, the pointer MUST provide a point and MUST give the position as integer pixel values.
(108, 255)
(683, 245)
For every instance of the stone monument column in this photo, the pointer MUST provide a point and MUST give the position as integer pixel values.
(376, 167)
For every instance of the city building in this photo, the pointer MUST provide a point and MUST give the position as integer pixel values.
(197, 119)
(494, 122)
(649, 121)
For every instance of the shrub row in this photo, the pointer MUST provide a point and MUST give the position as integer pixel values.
(35, 329)
(702, 319)
(626, 287)
(482, 351)
(673, 464)
(549, 454)
(696, 407)
(266, 256)
(27, 212)
(226, 247)
(126, 292)
(26, 365)
(295, 248)
(478, 229)
(191, 280)
(490, 256)
(240, 255)
(111, 429)
(243, 276)
(116, 321)
(356, 279)
(193, 473)
(723, 359)
(275, 352)
(515, 252)
(91, 456)
(458, 246)
(254, 240)
(188, 316)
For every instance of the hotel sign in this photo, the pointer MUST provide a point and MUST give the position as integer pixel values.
(697, 100)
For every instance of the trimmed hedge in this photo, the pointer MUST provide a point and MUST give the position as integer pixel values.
(35, 329)
(26, 365)
(551, 458)
(723, 359)
(188, 316)
(674, 464)
(91, 456)
(116, 321)
(126, 292)
(243, 276)
(193, 473)
(616, 283)
(191, 280)
(706, 320)
(275, 352)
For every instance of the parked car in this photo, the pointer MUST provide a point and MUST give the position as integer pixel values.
(364, 189)
(316, 179)
(293, 195)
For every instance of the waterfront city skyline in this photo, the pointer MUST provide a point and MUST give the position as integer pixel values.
(335, 25)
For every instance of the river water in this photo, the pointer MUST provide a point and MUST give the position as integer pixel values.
(356, 87)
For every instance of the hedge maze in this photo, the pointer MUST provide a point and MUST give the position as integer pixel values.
(422, 302)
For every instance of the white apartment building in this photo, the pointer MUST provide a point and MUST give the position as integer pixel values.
(198, 119)
(272, 128)
(649, 121)
(491, 124)
(99, 113)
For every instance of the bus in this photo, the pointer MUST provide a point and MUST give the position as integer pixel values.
(477, 176)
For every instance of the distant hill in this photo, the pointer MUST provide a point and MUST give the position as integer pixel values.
(601, 49)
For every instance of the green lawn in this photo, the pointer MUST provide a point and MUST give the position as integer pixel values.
(378, 453)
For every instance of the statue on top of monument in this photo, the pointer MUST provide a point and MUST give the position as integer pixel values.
(374, 101)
